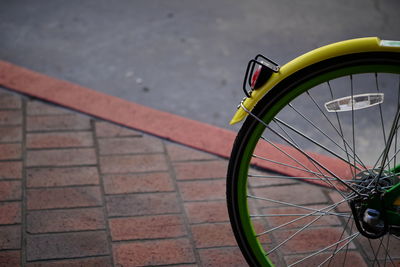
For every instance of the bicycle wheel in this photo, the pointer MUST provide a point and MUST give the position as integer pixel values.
(323, 130)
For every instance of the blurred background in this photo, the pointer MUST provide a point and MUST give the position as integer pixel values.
(183, 57)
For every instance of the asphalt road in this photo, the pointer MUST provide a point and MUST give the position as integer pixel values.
(184, 57)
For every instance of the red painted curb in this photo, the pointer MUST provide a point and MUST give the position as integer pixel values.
(192, 133)
(188, 132)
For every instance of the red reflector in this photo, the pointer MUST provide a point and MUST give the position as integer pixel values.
(254, 79)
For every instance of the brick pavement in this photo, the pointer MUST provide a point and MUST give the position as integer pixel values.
(76, 191)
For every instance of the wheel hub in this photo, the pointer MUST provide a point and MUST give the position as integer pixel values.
(369, 210)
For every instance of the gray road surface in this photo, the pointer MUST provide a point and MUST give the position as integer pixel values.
(184, 57)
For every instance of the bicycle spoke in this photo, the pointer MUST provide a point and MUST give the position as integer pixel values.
(352, 117)
(341, 236)
(380, 110)
(301, 217)
(327, 136)
(290, 178)
(295, 143)
(315, 142)
(345, 144)
(352, 237)
(287, 165)
(300, 150)
(393, 130)
(345, 215)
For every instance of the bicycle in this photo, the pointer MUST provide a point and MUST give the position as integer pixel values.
(313, 177)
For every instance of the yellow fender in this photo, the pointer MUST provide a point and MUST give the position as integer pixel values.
(369, 44)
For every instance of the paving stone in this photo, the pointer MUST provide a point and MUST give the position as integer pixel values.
(63, 197)
(11, 134)
(10, 190)
(11, 170)
(201, 169)
(142, 204)
(10, 101)
(299, 194)
(59, 140)
(202, 190)
(133, 163)
(66, 245)
(61, 157)
(53, 177)
(57, 123)
(8, 117)
(222, 257)
(130, 145)
(136, 183)
(40, 108)
(10, 151)
(65, 220)
(151, 253)
(10, 237)
(10, 258)
(181, 153)
(207, 212)
(105, 129)
(310, 239)
(352, 259)
(10, 212)
(87, 262)
(147, 227)
(213, 235)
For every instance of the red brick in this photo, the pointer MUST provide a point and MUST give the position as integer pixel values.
(105, 129)
(65, 220)
(10, 151)
(10, 237)
(352, 259)
(10, 258)
(147, 227)
(59, 140)
(202, 190)
(11, 170)
(136, 183)
(52, 177)
(222, 257)
(199, 170)
(336, 198)
(213, 235)
(258, 181)
(56, 123)
(10, 117)
(88, 262)
(10, 101)
(10, 190)
(61, 157)
(207, 212)
(136, 163)
(11, 134)
(181, 153)
(311, 239)
(297, 194)
(142, 204)
(150, 253)
(327, 220)
(374, 247)
(39, 108)
(10, 212)
(67, 245)
(130, 145)
(63, 197)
